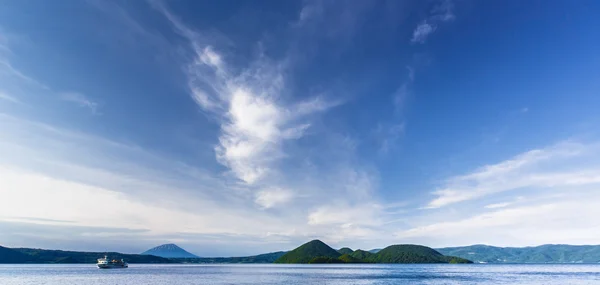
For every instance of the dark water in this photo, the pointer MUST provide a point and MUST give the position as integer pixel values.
(302, 274)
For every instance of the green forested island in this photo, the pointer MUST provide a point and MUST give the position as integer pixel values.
(318, 252)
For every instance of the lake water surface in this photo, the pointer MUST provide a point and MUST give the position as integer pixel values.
(302, 274)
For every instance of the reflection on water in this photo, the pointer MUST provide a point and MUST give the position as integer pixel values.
(302, 274)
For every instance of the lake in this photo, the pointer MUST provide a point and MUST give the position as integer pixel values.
(303, 274)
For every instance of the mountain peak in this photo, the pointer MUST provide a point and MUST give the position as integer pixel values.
(169, 250)
(306, 252)
(345, 250)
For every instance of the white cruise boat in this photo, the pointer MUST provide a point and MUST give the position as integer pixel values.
(106, 263)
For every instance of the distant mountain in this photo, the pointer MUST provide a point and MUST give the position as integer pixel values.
(8, 255)
(550, 253)
(261, 258)
(309, 251)
(410, 253)
(33, 255)
(318, 252)
(345, 250)
(375, 250)
(169, 250)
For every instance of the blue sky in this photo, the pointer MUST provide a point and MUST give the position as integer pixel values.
(240, 127)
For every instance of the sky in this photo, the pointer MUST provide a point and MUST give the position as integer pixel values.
(241, 127)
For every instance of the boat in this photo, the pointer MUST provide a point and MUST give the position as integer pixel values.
(106, 263)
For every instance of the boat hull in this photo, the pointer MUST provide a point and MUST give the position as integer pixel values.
(112, 266)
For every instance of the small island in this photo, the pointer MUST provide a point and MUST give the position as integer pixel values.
(316, 251)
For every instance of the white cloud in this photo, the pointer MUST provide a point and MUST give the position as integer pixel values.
(64, 200)
(4, 96)
(422, 31)
(442, 12)
(254, 121)
(316, 104)
(556, 221)
(20, 81)
(498, 205)
(411, 73)
(80, 100)
(391, 136)
(8, 68)
(211, 58)
(343, 215)
(309, 11)
(400, 97)
(556, 166)
(201, 98)
(273, 197)
(252, 131)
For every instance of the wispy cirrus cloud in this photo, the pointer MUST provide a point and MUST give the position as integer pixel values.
(3, 45)
(17, 78)
(7, 68)
(443, 12)
(497, 205)
(560, 165)
(80, 100)
(6, 97)
(547, 221)
(391, 132)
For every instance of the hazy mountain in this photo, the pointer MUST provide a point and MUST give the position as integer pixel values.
(261, 258)
(345, 250)
(169, 250)
(550, 253)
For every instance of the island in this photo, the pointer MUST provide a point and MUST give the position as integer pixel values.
(316, 251)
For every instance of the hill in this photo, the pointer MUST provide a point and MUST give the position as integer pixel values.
(61, 256)
(345, 250)
(550, 253)
(309, 251)
(261, 258)
(410, 253)
(347, 258)
(361, 254)
(8, 255)
(169, 251)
